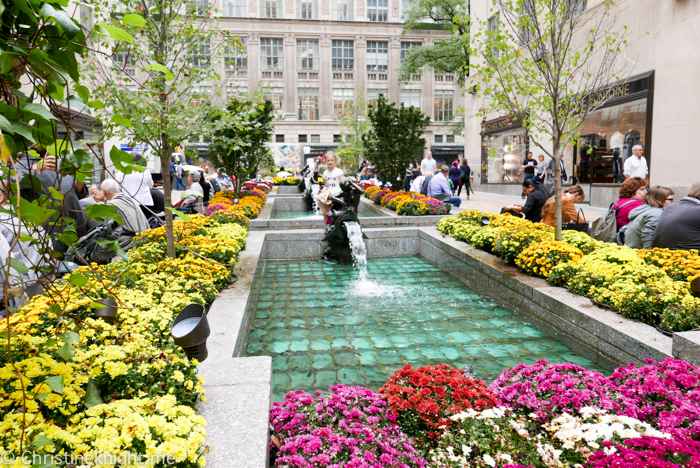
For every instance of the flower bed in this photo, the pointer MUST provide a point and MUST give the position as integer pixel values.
(248, 207)
(92, 389)
(406, 203)
(262, 185)
(651, 286)
(542, 415)
(286, 180)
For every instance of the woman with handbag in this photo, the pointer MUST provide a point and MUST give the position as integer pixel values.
(568, 208)
(465, 173)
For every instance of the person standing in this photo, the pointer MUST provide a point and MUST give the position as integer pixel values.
(428, 164)
(541, 168)
(179, 172)
(465, 173)
(454, 176)
(636, 165)
(528, 169)
(439, 190)
(171, 171)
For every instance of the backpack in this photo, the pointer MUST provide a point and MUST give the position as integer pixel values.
(215, 186)
(93, 247)
(605, 228)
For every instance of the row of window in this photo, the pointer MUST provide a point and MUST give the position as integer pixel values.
(279, 138)
(308, 55)
(308, 101)
(341, 10)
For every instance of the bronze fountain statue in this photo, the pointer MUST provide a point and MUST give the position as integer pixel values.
(344, 208)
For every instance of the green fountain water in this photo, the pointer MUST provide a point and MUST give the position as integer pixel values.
(321, 327)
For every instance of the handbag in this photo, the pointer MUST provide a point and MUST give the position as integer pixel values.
(578, 225)
(605, 228)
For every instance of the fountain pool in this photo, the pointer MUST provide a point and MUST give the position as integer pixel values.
(321, 327)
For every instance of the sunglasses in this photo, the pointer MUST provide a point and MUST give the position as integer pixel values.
(670, 199)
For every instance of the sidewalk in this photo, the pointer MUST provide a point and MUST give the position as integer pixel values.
(493, 202)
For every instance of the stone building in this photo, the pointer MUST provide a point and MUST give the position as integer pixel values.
(313, 57)
(656, 105)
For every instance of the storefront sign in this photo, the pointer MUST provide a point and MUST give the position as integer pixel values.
(617, 92)
(504, 123)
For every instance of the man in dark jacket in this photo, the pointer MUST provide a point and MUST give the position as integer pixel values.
(679, 225)
(536, 197)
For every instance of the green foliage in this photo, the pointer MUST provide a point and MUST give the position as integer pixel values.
(355, 124)
(395, 138)
(444, 56)
(239, 134)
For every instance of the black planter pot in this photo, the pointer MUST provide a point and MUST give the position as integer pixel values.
(190, 331)
(109, 312)
(695, 287)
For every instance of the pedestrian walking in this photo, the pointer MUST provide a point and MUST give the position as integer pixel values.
(465, 173)
(179, 171)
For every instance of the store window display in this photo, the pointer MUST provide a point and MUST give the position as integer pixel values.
(502, 155)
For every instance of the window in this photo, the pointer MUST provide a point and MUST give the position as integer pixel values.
(271, 8)
(341, 101)
(271, 54)
(199, 6)
(200, 53)
(492, 26)
(406, 46)
(307, 55)
(233, 91)
(302, 138)
(234, 8)
(315, 138)
(377, 56)
(275, 95)
(343, 56)
(378, 10)
(405, 6)
(438, 138)
(442, 111)
(308, 103)
(575, 7)
(526, 27)
(236, 58)
(449, 138)
(199, 95)
(279, 138)
(124, 59)
(373, 96)
(411, 98)
(336, 138)
(343, 10)
(307, 9)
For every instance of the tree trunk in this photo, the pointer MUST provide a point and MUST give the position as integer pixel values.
(165, 156)
(556, 152)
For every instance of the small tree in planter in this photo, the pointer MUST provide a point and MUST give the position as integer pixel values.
(394, 139)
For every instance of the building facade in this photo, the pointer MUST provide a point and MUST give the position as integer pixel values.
(656, 105)
(312, 57)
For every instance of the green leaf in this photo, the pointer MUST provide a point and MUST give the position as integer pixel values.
(66, 352)
(41, 111)
(23, 129)
(55, 383)
(67, 237)
(182, 215)
(5, 62)
(32, 213)
(5, 125)
(124, 161)
(116, 33)
(77, 279)
(50, 342)
(114, 247)
(161, 68)
(66, 22)
(96, 105)
(134, 20)
(83, 92)
(70, 337)
(119, 120)
(92, 395)
(56, 194)
(41, 441)
(100, 212)
(18, 265)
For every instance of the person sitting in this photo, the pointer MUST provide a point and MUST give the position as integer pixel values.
(679, 224)
(223, 180)
(643, 219)
(632, 193)
(537, 196)
(96, 196)
(127, 207)
(193, 178)
(417, 184)
(569, 197)
(137, 185)
(439, 190)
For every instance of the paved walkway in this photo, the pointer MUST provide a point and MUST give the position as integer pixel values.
(493, 202)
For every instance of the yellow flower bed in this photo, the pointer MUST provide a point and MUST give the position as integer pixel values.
(648, 285)
(285, 180)
(92, 389)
